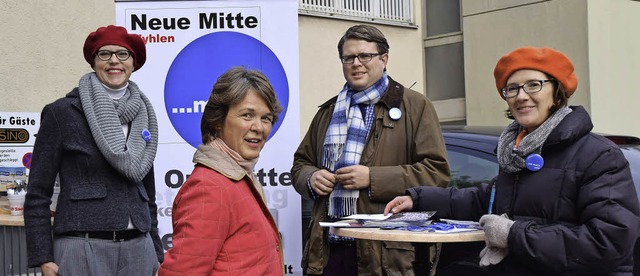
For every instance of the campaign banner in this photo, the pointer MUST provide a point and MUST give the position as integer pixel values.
(189, 44)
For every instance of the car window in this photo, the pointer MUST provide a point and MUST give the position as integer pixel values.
(633, 156)
(470, 167)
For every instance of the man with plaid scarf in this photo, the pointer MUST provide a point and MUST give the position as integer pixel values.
(365, 146)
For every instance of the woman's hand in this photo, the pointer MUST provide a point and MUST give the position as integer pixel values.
(399, 204)
(49, 269)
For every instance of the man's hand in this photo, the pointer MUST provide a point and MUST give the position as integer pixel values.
(322, 182)
(354, 177)
(398, 204)
(49, 269)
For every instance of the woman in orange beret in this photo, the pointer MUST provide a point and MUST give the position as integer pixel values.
(565, 202)
(101, 140)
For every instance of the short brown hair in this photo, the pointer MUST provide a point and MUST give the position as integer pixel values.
(230, 88)
(367, 33)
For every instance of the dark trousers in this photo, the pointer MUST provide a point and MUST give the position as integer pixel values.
(342, 260)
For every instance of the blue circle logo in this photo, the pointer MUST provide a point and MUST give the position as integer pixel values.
(197, 67)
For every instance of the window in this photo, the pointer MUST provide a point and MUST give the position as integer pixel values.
(469, 167)
(444, 57)
(445, 71)
(443, 17)
(391, 12)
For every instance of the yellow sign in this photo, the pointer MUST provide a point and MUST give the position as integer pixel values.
(14, 135)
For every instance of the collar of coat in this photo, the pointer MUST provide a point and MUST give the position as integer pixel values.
(392, 96)
(218, 161)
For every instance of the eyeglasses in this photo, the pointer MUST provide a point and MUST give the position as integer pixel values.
(364, 57)
(529, 87)
(105, 55)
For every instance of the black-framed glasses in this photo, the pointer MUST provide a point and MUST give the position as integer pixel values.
(364, 57)
(529, 87)
(121, 55)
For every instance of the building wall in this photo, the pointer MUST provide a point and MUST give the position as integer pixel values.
(321, 71)
(557, 24)
(600, 37)
(614, 58)
(42, 53)
(41, 48)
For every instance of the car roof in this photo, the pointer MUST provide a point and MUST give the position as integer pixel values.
(478, 130)
(483, 138)
(490, 135)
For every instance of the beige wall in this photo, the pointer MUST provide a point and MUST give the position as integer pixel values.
(41, 48)
(614, 58)
(321, 71)
(493, 28)
(600, 37)
(42, 53)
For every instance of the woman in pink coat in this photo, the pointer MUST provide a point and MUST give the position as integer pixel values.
(221, 224)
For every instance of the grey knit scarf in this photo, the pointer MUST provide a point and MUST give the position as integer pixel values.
(512, 159)
(133, 155)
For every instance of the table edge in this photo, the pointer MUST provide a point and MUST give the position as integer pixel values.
(408, 236)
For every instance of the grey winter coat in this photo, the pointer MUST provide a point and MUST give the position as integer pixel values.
(93, 195)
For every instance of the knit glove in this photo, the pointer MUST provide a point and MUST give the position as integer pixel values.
(492, 256)
(496, 230)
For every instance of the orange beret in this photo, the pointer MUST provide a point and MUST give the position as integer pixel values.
(546, 60)
(115, 35)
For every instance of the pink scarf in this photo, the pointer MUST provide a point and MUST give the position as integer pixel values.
(247, 165)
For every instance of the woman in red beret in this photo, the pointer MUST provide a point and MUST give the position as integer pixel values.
(565, 202)
(100, 140)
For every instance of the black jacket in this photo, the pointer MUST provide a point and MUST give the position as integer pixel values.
(578, 215)
(93, 195)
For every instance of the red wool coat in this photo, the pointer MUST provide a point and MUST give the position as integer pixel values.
(221, 223)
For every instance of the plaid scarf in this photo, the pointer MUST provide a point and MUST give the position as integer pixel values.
(346, 138)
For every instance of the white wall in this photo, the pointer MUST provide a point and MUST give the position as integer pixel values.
(42, 53)
(600, 37)
(493, 28)
(321, 71)
(614, 58)
(41, 48)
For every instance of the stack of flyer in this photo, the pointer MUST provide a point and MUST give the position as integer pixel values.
(383, 221)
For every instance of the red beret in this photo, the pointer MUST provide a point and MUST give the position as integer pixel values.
(546, 60)
(115, 35)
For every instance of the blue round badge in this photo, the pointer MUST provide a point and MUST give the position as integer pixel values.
(146, 135)
(534, 162)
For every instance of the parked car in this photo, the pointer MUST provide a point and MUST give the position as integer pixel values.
(472, 158)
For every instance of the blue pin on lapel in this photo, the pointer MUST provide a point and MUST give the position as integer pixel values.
(146, 135)
(534, 162)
